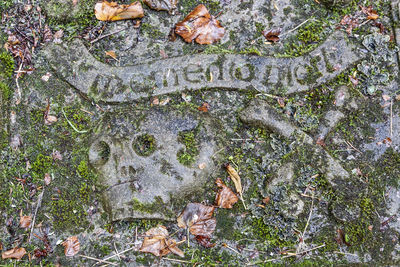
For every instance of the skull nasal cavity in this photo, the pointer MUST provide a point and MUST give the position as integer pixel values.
(144, 145)
(99, 153)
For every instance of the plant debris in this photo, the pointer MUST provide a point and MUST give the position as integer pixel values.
(350, 23)
(198, 218)
(71, 246)
(204, 108)
(204, 241)
(225, 197)
(158, 243)
(371, 14)
(162, 5)
(111, 11)
(200, 26)
(25, 221)
(15, 253)
(272, 35)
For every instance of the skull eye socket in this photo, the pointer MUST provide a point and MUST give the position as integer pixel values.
(99, 153)
(144, 145)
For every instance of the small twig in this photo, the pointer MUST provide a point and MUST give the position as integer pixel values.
(170, 259)
(295, 28)
(306, 251)
(34, 216)
(70, 123)
(348, 143)
(268, 95)
(391, 118)
(98, 260)
(231, 248)
(116, 255)
(307, 223)
(16, 82)
(104, 36)
(116, 250)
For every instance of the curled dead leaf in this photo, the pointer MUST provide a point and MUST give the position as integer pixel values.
(205, 107)
(111, 54)
(204, 241)
(71, 246)
(166, 5)
(15, 253)
(47, 179)
(198, 218)
(111, 11)
(200, 26)
(235, 178)
(158, 243)
(225, 197)
(272, 35)
(25, 221)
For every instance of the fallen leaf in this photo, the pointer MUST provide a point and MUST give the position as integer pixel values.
(321, 141)
(235, 178)
(111, 11)
(386, 97)
(155, 101)
(397, 98)
(57, 36)
(266, 200)
(200, 26)
(46, 77)
(225, 197)
(202, 166)
(165, 5)
(15, 253)
(272, 35)
(353, 80)
(49, 119)
(111, 54)
(350, 22)
(156, 242)
(281, 102)
(198, 218)
(371, 14)
(71, 246)
(47, 34)
(341, 237)
(25, 221)
(204, 108)
(204, 241)
(47, 179)
(56, 155)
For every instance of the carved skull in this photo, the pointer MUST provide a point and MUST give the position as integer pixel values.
(139, 160)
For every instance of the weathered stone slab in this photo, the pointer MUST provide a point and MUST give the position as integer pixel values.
(192, 72)
(138, 161)
(260, 113)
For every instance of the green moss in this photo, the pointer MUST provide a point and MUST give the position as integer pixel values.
(151, 31)
(308, 37)
(187, 155)
(187, 6)
(144, 145)
(157, 206)
(41, 165)
(6, 65)
(68, 213)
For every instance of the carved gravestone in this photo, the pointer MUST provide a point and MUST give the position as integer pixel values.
(138, 158)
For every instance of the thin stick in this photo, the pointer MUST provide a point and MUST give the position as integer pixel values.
(308, 221)
(295, 28)
(34, 216)
(170, 259)
(348, 143)
(104, 36)
(120, 253)
(70, 123)
(231, 248)
(306, 251)
(116, 250)
(391, 118)
(98, 260)
(18, 88)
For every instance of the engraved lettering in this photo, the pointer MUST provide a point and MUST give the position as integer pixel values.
(193, 73)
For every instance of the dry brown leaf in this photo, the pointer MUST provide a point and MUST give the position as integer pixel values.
(225, 197)
(350, 22)
(157, 243)
(204, 108)
(166, 5)
(111, 54)
(56, 155)
(15, 253)
(200, 26)
(111, 11)
(25, 221)
(47, 179)
(198, 218)
(204, 241)
(235, 178)
(71, 246)
(371, 14)
(272, 35)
